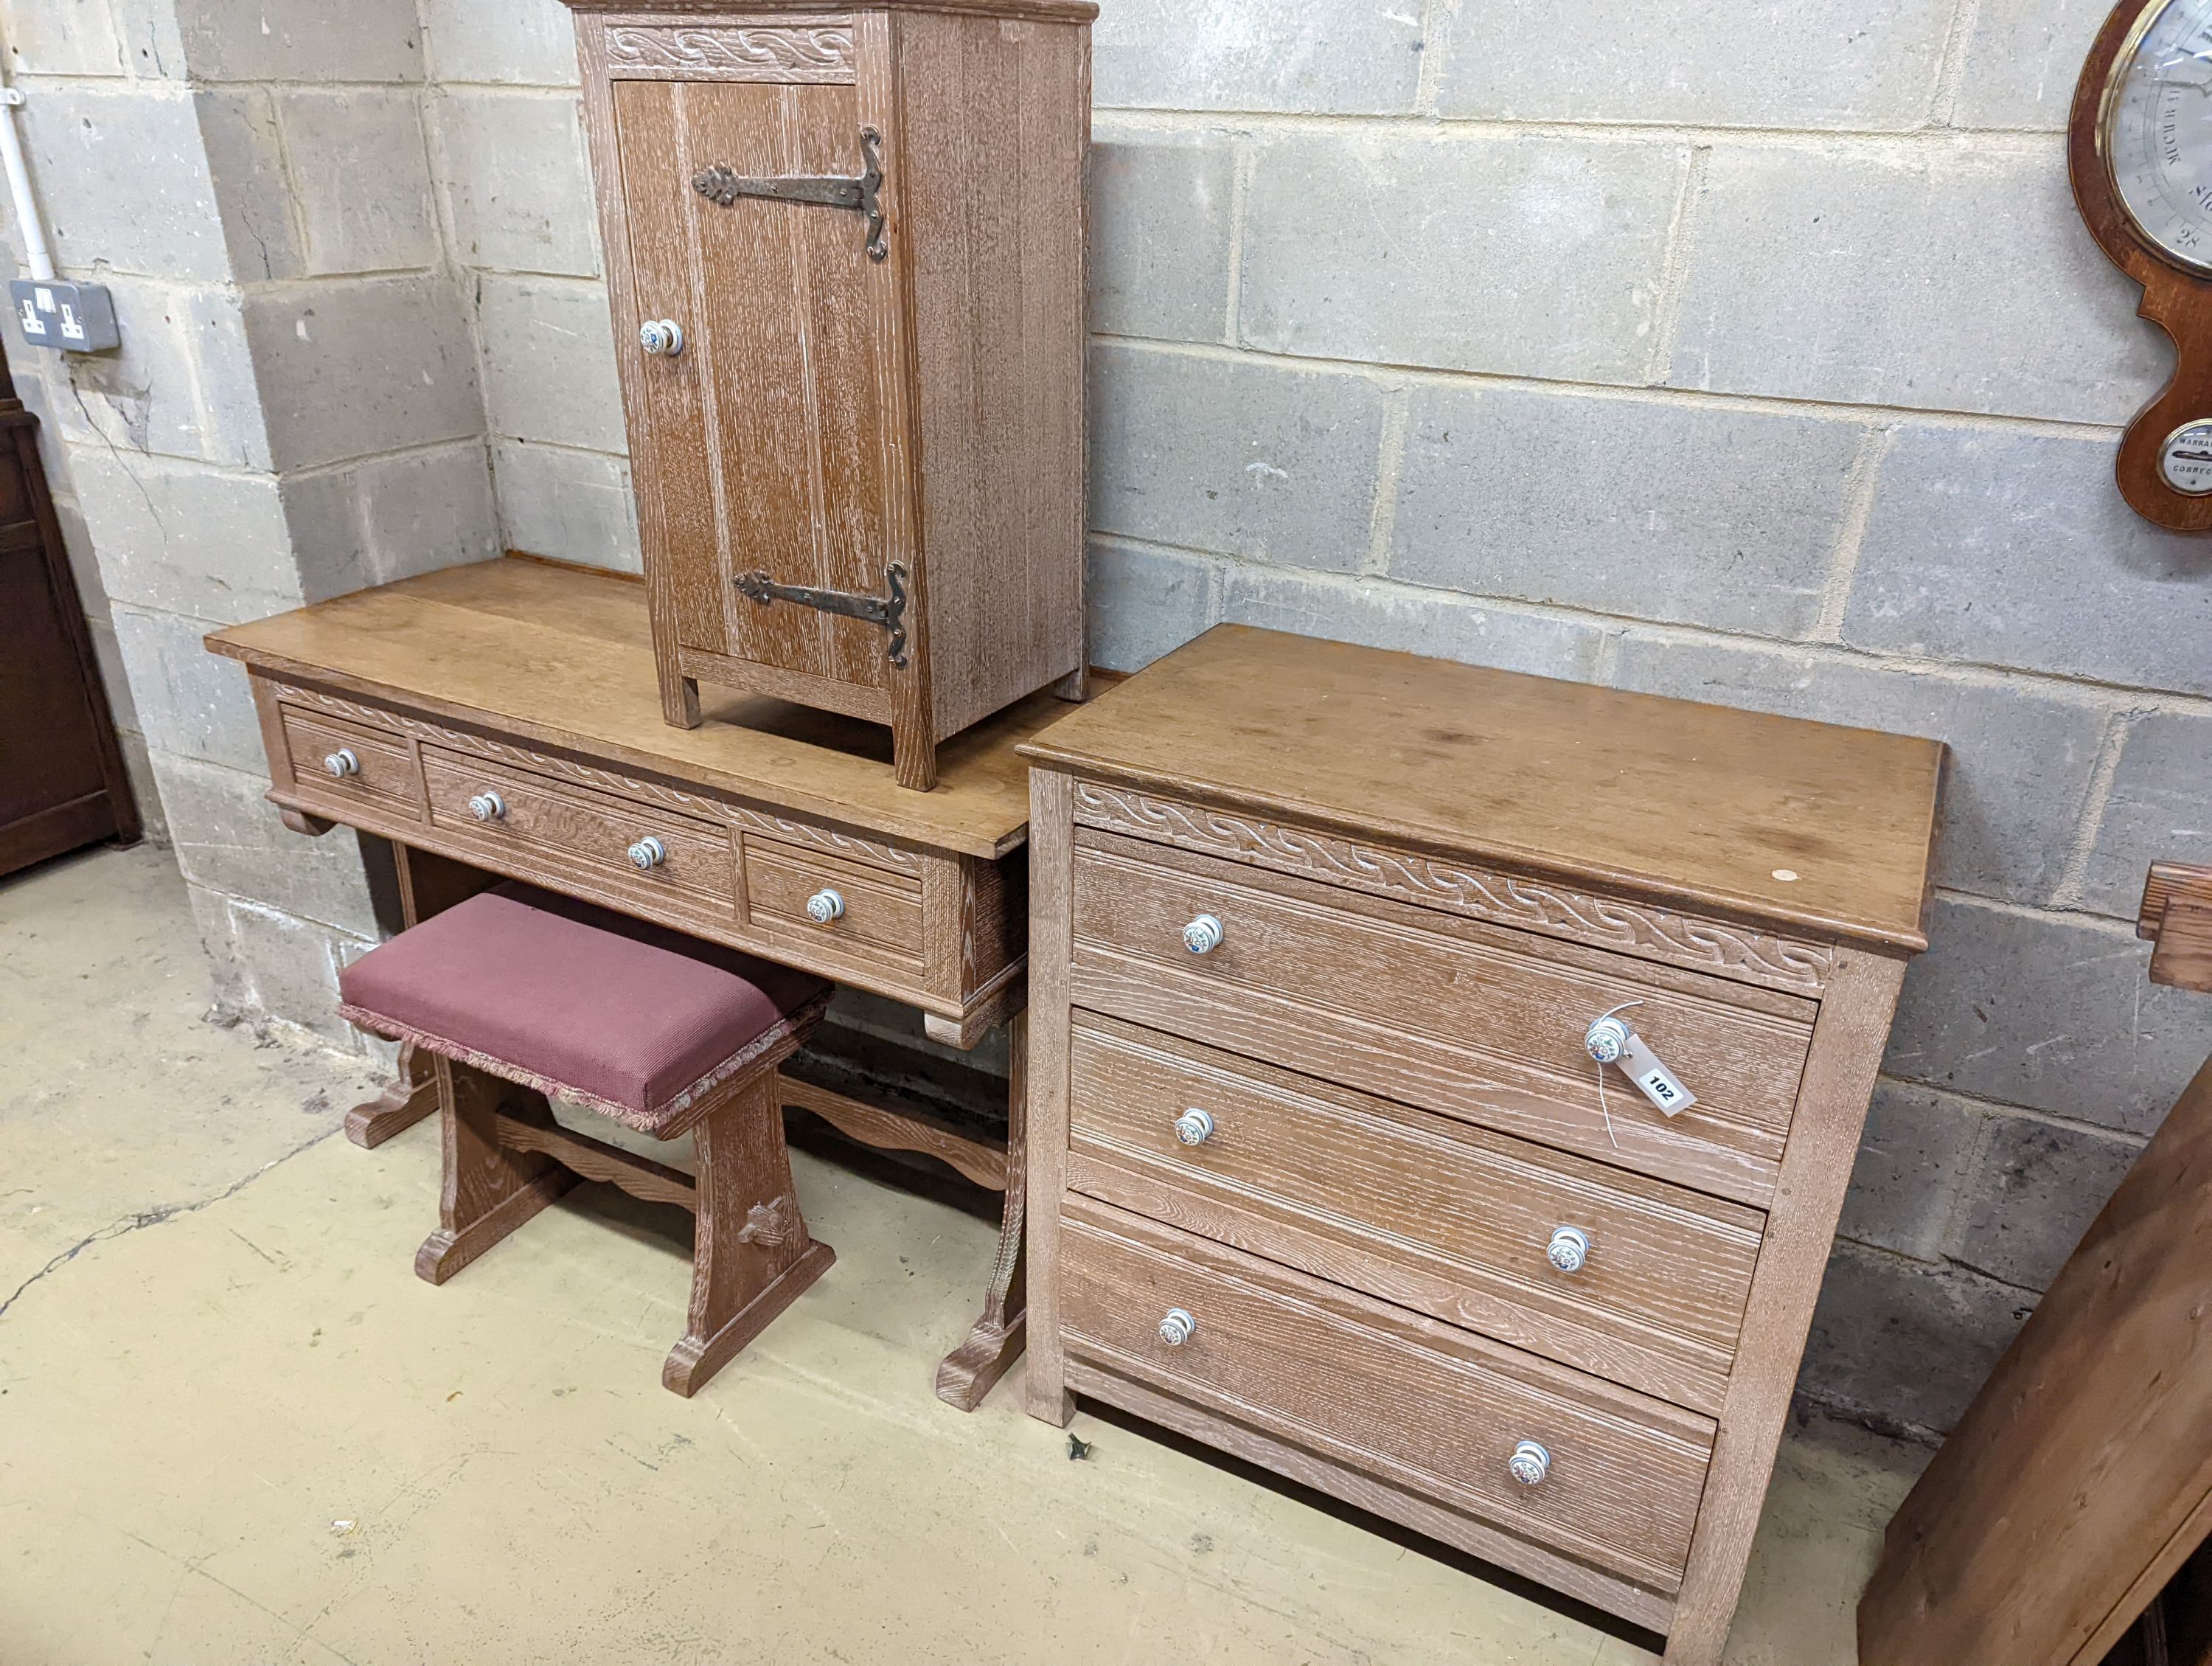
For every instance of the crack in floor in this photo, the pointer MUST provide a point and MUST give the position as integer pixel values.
(145, 1218)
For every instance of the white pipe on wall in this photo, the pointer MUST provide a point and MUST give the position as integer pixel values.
(33, 227)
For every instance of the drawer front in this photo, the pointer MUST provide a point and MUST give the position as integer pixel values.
(575, 826)
(1431, 1214)
(1417, 1404)
(1479, 1021)
(373, 765)
(877, 912)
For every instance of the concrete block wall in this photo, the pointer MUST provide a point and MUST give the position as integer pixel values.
(1745, 354)
(1737, 354)
(1729, 353)
(295, 411)
(509, 134)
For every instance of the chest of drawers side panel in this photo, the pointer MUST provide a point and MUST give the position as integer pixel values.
(1856, 1013)
(1052, 864)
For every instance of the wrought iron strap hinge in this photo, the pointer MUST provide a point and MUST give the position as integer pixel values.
(888, 611)
(863, 195)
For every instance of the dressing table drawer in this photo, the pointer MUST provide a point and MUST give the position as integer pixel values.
(346, 761)
(1422, 1407)
(644, 845)
(1640, 1281)
(866, 910)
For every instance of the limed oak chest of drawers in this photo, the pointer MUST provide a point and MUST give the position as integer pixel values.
(1324, 1167)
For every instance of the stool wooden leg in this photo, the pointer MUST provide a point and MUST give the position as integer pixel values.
(754, 1257)
(412, 1096)
(488, 1191)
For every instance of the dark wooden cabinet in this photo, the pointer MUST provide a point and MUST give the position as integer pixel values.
(846, 259)
(62, 783)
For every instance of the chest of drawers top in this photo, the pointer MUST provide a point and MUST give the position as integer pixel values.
(1471, 788)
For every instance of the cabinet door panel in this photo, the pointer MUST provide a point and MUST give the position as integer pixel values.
(772, 406)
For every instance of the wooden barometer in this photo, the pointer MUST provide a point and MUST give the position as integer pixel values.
(2139, 147)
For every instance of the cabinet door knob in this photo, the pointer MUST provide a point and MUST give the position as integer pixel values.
(1194, 1127)
(488, 806)
(649, 851)
(1529, 1463)
(824, 906)
(663, 337)
(1202, 935)
(1570, 1249)
(1176, 1328)
(342, 763)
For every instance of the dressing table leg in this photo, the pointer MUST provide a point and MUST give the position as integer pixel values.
(969, 1372)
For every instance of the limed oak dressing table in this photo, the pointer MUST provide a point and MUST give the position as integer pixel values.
(504, 719)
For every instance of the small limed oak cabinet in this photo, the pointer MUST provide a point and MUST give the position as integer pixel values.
(846, 259)
(1324, 1167)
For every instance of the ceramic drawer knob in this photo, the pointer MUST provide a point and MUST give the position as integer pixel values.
(1202, 935)
(663, 337)
(1570, 1249)
(1529, 1463)
(488, 806)
(1607, 1039)
(1175, 1329)
(342, 763)
(1194, 1127)
(648, 853)
(824, 906)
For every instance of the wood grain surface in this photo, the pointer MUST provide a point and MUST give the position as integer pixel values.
(1428, 880)
(1453, 1015)
(1855, 1014)
(561, 657)
(387, 768)
(2081, 1476)
(840, 407)
(879, 912)
(62, 779)
(1432, 1408)
(584, 826)
(1422, 1210)
(1703, 805)
(2177, 916)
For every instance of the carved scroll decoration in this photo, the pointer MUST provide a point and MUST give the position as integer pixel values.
(1508, 899)
(866, 852)
(772, 1224)
(777, 52)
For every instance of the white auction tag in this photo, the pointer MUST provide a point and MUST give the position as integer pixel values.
(1659, 1084)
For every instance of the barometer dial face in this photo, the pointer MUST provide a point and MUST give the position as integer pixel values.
(2158, 130)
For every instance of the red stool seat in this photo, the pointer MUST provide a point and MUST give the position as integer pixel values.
(634, 1021)
(521, 994)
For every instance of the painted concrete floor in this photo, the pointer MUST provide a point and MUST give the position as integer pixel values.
(234, 1428)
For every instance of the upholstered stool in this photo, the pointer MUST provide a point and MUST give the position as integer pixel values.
(520, 995)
